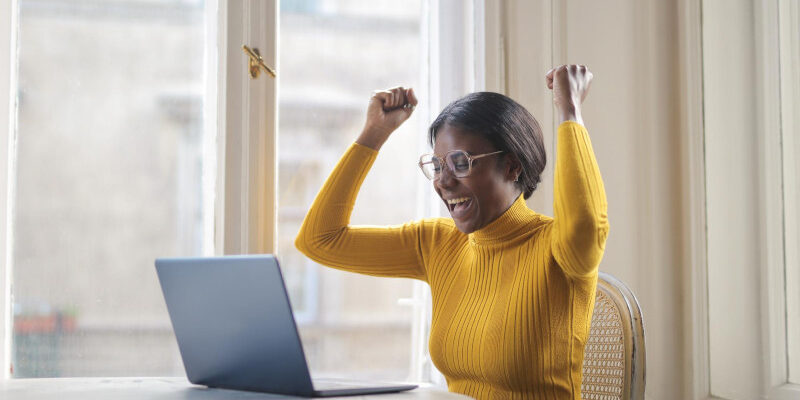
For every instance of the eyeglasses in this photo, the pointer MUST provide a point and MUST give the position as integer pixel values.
(459, 162)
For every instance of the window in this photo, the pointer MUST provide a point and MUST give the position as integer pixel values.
(109, 176)
(125, 110)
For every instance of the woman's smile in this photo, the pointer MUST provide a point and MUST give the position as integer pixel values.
(459, 207)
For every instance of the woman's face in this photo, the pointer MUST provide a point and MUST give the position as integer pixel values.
(480, 198)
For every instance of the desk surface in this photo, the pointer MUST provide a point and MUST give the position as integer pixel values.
(163, 389)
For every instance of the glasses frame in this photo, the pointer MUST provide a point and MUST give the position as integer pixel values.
(446, 157)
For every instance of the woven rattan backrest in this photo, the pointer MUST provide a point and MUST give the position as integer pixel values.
(614, 358)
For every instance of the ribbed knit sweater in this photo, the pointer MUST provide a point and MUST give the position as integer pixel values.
(512, 301)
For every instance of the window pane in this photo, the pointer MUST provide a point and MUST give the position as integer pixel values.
(333, 55)
(108, 178)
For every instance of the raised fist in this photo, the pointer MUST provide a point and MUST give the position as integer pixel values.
(570, 84)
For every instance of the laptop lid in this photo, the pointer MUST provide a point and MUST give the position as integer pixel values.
(234, 323)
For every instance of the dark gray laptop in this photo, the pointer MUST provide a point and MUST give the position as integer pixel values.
(235, 327)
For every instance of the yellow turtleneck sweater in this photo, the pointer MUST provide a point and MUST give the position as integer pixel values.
(512, 302)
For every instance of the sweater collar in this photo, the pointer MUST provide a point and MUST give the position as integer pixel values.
(506, 226)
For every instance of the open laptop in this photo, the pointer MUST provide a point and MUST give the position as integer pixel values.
(235, 327)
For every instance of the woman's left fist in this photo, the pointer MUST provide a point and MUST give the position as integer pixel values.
(570, 84)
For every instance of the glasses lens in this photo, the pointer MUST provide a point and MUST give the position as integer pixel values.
(459, 163)
(430, 165)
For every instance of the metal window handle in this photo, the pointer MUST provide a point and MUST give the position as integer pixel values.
(255, 62)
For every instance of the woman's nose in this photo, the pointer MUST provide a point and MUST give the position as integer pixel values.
(446, 178)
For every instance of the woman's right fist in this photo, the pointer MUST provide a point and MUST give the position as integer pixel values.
(570, 85)
(387, 110)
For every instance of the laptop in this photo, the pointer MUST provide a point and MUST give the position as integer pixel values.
(236, 330)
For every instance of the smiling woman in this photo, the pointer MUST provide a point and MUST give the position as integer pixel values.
(513, 290)
(487, 123)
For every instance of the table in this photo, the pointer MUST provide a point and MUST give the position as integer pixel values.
(165, 388)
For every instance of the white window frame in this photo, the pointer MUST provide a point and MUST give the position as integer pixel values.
(246, 182)
(694, 269)
(761, 346)
(8, 30)
(789, 22)
(775, 379)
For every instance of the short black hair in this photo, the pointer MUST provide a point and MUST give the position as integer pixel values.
(506, 124)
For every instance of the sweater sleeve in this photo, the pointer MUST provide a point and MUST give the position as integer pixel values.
(327, 237)
(580, 225)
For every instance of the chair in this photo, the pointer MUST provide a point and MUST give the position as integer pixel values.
(614, 358)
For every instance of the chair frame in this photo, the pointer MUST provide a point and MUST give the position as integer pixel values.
(633, 327)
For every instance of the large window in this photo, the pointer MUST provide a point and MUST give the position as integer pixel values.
(109, 165)
(124, 112)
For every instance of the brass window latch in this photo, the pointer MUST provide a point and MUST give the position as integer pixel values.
(256, 63)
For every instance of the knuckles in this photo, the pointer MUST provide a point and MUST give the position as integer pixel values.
(571, 69)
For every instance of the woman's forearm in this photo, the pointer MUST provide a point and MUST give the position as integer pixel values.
(372, 138)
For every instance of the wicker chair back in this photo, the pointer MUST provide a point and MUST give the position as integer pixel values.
(614, 357)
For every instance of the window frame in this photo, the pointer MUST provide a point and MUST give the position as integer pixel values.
(789, 23)
(771, 174)
(8, 77)
(246, 180)
(694, 217)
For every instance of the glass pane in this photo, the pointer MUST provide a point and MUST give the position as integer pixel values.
(333, 55)
(109, 162)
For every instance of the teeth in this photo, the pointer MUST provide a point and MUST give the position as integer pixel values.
(458, 200)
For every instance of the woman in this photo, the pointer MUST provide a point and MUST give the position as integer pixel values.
(512, 290)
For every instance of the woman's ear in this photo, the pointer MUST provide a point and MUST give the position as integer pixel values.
(513, 167)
